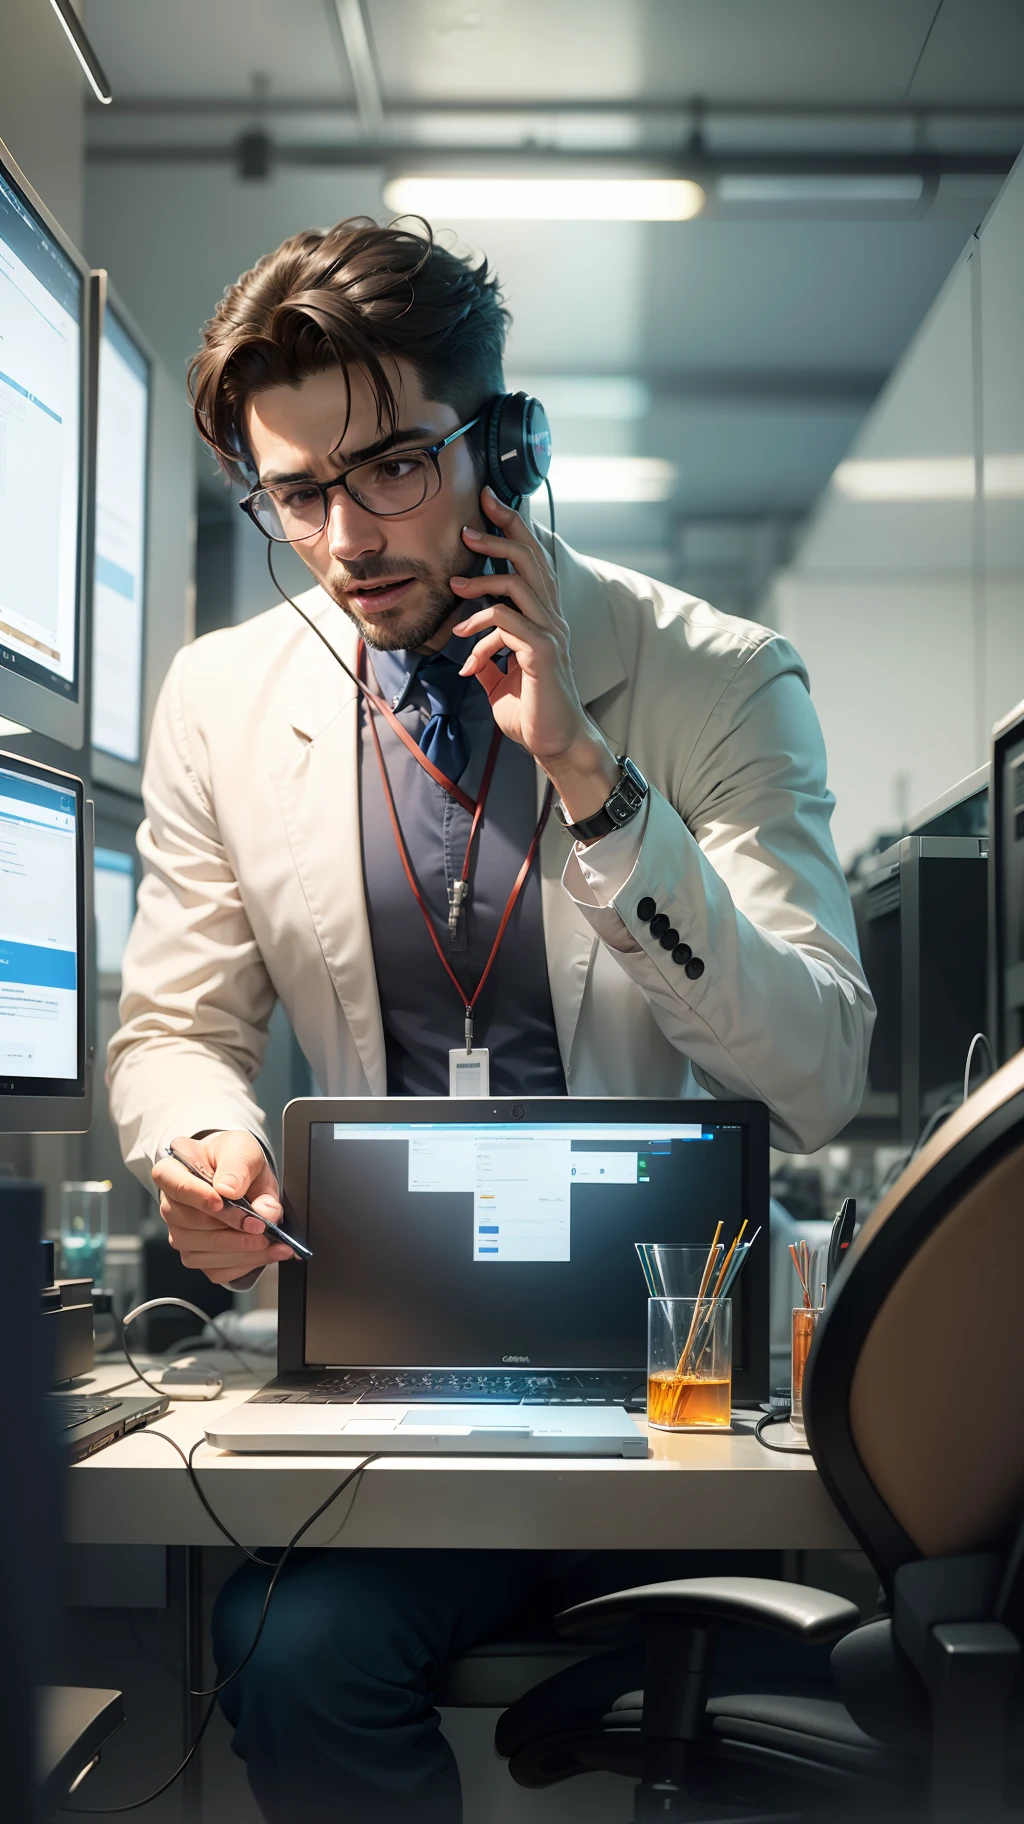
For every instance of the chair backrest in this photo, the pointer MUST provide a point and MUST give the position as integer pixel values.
(915, 1382)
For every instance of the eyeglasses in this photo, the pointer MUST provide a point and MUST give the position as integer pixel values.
(395, 482)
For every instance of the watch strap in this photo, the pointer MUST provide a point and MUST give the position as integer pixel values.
(620, 807)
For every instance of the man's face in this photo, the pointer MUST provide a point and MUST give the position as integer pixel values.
(389, 575)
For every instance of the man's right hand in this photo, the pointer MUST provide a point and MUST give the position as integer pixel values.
(224, 1243)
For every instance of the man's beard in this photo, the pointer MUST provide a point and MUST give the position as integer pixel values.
(392, 631)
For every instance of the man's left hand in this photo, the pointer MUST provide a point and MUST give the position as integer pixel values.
(536, 701)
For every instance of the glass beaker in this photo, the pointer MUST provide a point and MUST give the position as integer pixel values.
(84, 1227)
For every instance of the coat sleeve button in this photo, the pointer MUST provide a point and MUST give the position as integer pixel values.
(659, 924)
(695, 968)
(681, 954)
(669, 939)
(646, 909)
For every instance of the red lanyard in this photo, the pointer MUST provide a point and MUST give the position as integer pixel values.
(477, 810)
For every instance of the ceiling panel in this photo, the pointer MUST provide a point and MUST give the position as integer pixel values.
(975, 48)
(792, 294)
(218, 47)
(660, 49)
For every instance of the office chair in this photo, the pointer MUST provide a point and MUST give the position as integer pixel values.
(913, 1408)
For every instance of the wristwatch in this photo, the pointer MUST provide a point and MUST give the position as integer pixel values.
(626, 800)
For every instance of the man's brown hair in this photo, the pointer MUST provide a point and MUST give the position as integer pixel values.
(346, 296)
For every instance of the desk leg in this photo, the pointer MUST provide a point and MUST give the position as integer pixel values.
(192, 1662)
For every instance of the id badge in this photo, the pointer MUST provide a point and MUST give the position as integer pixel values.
(469, 1072)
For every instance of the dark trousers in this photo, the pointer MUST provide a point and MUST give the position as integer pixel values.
(334, 1714)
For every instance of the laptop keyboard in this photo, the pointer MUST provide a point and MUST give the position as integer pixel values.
(347, 1387)
(70, 1409)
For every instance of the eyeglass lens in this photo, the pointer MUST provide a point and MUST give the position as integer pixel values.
(389, 484)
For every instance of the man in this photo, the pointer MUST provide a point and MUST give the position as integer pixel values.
(707, 946)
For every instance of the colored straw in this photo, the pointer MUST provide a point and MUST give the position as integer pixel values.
(709, 1266)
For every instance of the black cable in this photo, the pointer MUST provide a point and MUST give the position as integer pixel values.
(106, 1811)
(103, 1811)
(215, 1690)
(151, 1432)
(551, 518)
(778, 1418)
(181, 1304)
(301, 612)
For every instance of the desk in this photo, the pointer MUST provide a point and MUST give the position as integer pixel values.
(702, 1491)
(699, 1492)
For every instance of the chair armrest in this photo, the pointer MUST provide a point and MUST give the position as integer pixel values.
(804, 1614)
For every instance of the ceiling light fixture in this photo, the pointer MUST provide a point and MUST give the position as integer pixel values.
(545, 199)
(608, 480)
(758, 191)
(83, 50)
(929, 478)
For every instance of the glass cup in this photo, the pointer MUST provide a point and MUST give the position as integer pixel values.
(672, 1271)
(805, 1321)
(689, 1364)
(84, 1226)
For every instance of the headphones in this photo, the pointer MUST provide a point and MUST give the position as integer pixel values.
(517, 446)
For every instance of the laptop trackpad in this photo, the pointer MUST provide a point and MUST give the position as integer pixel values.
(472, 1418)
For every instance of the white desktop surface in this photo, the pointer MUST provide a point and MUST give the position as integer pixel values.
(700, 1491)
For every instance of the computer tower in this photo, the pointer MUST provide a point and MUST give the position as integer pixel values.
(922, 922)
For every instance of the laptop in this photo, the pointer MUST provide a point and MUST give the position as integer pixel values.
(85, 1422)
(474, 1285)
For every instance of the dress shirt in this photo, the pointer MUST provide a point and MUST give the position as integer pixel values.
(420, 1009)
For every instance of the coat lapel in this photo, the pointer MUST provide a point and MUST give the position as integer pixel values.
(316, 776)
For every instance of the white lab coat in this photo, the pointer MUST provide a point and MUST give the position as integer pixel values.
(253, 882)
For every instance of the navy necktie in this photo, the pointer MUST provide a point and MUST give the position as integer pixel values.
(444, 739)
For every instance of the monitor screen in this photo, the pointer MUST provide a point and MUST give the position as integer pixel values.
(119, 568)
(42, 922)
(479, 1244)
(114, 903)
(42, 301)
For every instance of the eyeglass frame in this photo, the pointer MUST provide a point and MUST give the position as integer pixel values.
(433, 450)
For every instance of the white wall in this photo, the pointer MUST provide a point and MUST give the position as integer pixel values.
(910, 613)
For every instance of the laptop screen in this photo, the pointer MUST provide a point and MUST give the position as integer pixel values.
(497, 1243)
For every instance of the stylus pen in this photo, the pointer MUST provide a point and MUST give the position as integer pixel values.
(243, 1204)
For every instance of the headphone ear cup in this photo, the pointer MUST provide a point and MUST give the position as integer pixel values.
(493, 466)
(517, 442)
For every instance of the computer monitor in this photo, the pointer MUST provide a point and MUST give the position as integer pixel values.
(1006, 882)
(114, 899)
(119, 543)
(45, 915)
(477, 1234)
(44, 460)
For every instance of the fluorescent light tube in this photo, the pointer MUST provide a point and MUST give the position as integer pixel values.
(767, 190)
(83, 50)
(906, 478)
(925, 478)
(611, 479)
(545, 199)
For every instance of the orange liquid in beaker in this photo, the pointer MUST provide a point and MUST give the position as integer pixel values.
(678, 1400)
